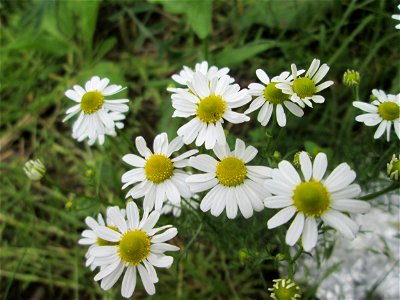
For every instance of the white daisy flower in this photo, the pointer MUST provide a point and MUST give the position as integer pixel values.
(97, 115)
(136, 246)
(397, 17)
(232, 182)
(385, 111)
(186, 75)
(268, 97)
(314, 197)
(157, 176)
(89, 237)
(210, 102)
(303, 90)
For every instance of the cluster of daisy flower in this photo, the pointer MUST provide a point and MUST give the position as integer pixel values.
(224, 180)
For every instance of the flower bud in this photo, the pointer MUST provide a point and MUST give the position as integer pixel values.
(34, 169)
(393, 168)
(351, 78)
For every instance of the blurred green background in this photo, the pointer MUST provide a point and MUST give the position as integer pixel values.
(48, 46)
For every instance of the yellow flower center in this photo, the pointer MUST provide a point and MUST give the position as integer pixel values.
(92, 102)
(285, 289)
(389, 110)
(158, 168)
(102, 242)
(134, 247)
(304, 87)
(211, 109)
(311, 198)
(274, 95)
(231, 171)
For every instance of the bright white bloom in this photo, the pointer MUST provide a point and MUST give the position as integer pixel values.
(34, 169)
(397, 17)
(313, 197)
(97, 116)
(176, 210)
(232, 182)
(303, 90)
(89, 237)
(135, 246)
(157, 176)
(385, 111)
(210, 102)
(186, 75)
(268, 97)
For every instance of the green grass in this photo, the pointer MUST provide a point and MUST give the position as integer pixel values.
(47, 46)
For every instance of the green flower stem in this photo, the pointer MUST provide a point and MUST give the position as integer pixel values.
(270, 135)
(386, 190)
(292, 262)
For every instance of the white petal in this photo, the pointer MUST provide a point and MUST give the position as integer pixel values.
(280, 115)
(160, 261)
(142, 148)
(310, 234)
(165, 236)
(211, 196)
(111, 279)
(203, 162)
(151, 221)
(351, 205)
(306, 165)
(103, 251)
(129, 282)
(107, 234)
(351, 191)
(147, 283)
(294, 109)
(340, 222)
(249, 154)
(281, 217)
(262, 76)
(134, 160)
(117, 218)
(231, 203)
(380, 130)
(278, 201)
(107, 270)
(132, 214)
(365, 106)
(295, 229)
(243, 202)
(289, 172)
(319, 166)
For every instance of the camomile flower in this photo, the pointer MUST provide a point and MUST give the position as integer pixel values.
(304, 90)
(312, 197)
(397, 17)
(90, 238)
(268, 97)
(97, 115)
(157, 176)
(210, 102)
(385, 111)
(186, 75)
(232, 183)
(134, 246)
(285, 289)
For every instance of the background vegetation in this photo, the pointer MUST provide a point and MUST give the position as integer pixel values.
(47, 46)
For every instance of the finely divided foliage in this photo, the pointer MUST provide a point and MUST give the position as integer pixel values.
(168, 180)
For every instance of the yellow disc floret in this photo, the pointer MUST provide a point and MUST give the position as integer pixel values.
(304, 87)
(211, 109)
(101, 242)
(134, 247)
(389, 111)
(92, 102)
(158, 168)
(231, 171)
(274, 95)
(311, 198)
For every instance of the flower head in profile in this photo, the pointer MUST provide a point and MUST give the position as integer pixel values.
(97, 115)
(185, 76)
(34, 169)
(134, 246)
(351, 78)
(269, 97)
(210, 103)
(393, 168)
(304, 90)
(90, 238)
(397, 17)
(233, 184)
(384, 110)
(157, 176)
(285, 289)
(312, 198)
